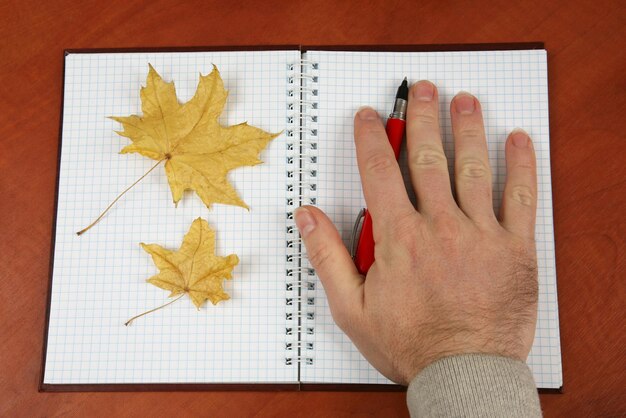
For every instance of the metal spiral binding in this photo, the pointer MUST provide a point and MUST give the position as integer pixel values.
(301, 190)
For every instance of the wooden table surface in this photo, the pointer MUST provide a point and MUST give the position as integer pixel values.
(587, 85)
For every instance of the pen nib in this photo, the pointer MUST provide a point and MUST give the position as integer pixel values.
(403, 90)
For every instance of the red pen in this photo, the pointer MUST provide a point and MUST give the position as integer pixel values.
(364, 254)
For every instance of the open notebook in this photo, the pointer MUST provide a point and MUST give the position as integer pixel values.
(277, 328)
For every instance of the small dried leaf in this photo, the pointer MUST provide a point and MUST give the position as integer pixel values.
(193, 269)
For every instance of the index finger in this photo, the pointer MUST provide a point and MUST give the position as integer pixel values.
(384, 190)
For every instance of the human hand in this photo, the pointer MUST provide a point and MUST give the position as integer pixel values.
(449, 278)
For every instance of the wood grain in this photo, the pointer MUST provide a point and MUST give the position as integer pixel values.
(585, 42)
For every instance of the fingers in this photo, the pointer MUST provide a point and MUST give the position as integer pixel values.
(383, 187)
(519, 203)
(330, 259)
(471, 161)
(427, 161)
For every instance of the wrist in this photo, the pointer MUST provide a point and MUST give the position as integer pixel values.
(418, 361)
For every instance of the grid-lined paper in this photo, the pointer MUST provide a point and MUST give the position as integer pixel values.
(512, 88)
(99, 278)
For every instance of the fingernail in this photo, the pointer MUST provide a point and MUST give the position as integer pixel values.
(520, 138)
(464, 103)
(304, 221)
(424, 91)
(367, 113)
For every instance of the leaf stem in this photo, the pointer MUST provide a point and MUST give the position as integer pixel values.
(82, 231)
(127, 323)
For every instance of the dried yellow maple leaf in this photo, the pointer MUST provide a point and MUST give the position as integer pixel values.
(194, 269)
(197, 150)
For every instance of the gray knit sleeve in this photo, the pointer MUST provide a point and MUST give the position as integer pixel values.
(474, 385)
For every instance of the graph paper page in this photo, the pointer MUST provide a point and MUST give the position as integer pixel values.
(512, 87)
(99, 277)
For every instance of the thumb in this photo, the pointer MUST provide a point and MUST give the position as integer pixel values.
(330, 259)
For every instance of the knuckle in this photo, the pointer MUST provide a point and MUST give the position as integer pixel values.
(403, 230)
(319, 256)
(425, 118)
(447, 227)
(525, 165)
(473, 168)
(379, 163)
(523, 195)
(403, 236)
(427, 156)
(471, 133)
(371, 129)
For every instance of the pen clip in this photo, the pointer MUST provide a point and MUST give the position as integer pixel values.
(356, 230)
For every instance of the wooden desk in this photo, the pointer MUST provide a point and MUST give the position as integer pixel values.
(585, 42)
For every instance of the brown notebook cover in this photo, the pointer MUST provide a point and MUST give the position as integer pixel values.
(48, 387)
